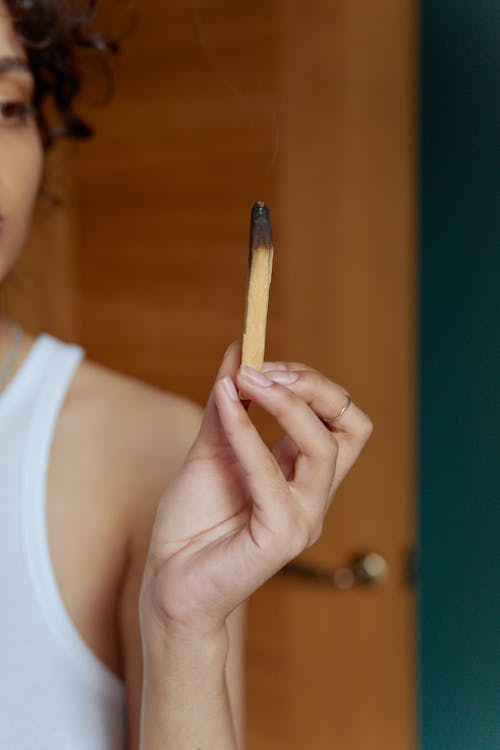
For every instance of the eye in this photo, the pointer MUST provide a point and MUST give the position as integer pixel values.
(16, 113)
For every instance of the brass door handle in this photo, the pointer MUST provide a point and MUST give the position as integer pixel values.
(365, 569)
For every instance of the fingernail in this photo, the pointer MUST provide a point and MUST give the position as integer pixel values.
(255, 376)
(284, 377)
(274, 366)
(230, 388)
(227, 350)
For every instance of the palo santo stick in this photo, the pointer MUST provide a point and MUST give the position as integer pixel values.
(260, 266)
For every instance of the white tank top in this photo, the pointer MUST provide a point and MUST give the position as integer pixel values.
(55, 694)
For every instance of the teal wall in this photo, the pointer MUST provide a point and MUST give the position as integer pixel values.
(459, 532)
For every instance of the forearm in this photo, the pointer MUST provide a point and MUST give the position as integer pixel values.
(185, 703)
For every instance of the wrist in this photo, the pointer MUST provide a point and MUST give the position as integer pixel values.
(172, 659)
(163, 637)
(185, 701)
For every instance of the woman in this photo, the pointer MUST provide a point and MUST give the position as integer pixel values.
(134, 524)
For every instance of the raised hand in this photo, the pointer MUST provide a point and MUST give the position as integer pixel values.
(238, 511)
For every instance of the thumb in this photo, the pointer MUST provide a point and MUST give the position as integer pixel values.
(211, 430)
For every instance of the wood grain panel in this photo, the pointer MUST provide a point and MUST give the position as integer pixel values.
(185, 149)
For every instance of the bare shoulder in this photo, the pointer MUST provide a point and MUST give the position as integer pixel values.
(141, 429)
(128, 438)
(127, 396)
(123, 440)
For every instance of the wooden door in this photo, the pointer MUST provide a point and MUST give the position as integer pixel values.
(312, 108)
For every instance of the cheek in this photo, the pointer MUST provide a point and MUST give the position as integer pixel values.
(28, 174)
(21, 168)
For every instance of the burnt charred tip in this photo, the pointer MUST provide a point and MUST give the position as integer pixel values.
(260, 209)
(260, 226)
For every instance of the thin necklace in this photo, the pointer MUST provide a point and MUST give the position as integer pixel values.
(11, 357)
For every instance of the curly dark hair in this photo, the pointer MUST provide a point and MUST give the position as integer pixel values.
(54, 33)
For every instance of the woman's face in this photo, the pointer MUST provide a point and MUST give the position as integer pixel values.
(21, 152)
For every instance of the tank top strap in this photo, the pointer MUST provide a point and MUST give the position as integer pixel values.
(74, 699)
(57, 363)
(60, 367)
(48, 358)
(26, 380)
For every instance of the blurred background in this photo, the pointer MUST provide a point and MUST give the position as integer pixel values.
(368, 128)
